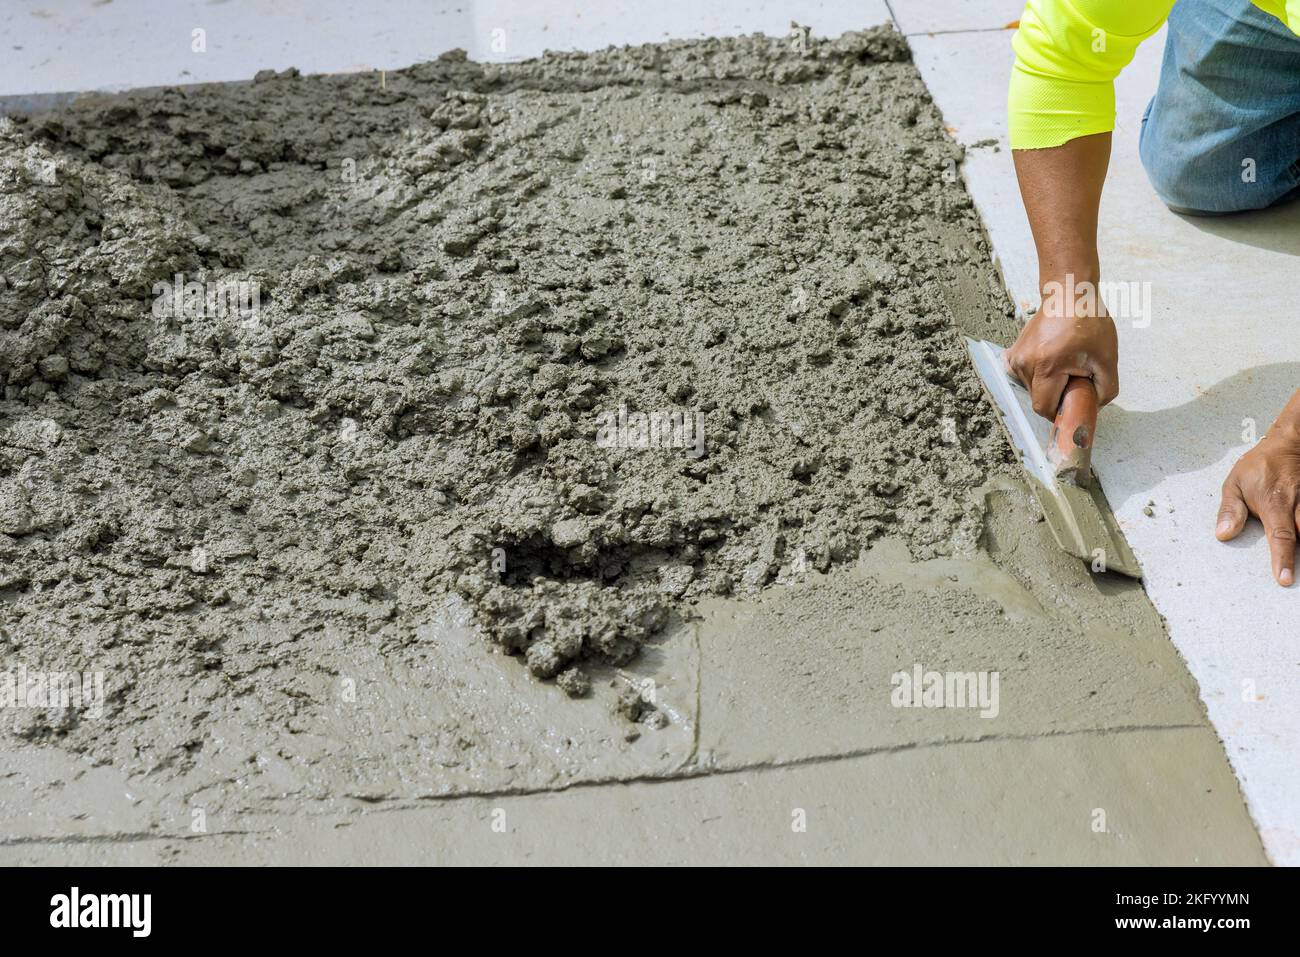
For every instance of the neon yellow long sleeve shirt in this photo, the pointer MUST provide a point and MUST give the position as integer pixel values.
(1068, 53)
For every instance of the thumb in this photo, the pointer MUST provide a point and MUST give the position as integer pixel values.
(1232, 513)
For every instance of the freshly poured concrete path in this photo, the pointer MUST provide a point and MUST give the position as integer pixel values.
(785, 746)
(1101, 754)
(1219, 357)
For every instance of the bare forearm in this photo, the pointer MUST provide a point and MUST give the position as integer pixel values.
(1061, 188)
(1068, 336)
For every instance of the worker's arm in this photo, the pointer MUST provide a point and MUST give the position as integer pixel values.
(1061, 110)
(1069, 335)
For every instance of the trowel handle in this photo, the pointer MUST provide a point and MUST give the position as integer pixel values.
(1074, 429)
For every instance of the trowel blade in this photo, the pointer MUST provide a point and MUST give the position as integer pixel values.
(1080, 518)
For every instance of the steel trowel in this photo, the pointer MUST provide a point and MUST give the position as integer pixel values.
(1057, 457)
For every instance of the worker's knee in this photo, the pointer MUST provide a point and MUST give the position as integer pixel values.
(1220, 134)
(1210, 179)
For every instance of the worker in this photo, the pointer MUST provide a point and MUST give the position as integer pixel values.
(1220, 136)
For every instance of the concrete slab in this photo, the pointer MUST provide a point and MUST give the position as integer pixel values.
(954, 16)
(1197, 375)
(1138, 797)
(972, 109)
(424, 720)
(519, 29)
(69, 45)
(1098, 751)
(805, 672)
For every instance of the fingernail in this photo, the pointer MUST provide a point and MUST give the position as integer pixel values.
(1285, 577)
(1223, 528)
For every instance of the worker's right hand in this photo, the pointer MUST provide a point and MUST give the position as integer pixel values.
(1063, 340)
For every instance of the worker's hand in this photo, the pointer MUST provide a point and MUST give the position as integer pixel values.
(1062, 340)
(1265, 483)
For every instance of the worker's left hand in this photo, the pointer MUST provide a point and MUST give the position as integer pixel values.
(1265, 483)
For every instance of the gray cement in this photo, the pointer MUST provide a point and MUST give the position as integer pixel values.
(784, 746)
(283, 534)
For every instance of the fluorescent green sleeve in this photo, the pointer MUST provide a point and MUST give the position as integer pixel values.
(1068, 53)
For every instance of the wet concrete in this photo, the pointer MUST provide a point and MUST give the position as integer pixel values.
(786, 744)
(285, 536)
(1015, 801)
(583, 341)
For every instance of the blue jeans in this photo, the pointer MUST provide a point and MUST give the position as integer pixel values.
(1222, 133)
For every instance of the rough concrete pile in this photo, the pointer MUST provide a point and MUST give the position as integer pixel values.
(581, 339)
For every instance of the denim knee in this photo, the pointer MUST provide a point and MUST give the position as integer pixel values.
(1236, 176)
(1222, 133)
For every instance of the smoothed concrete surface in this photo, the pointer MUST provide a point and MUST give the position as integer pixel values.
(1120, 798)
(1096, 751)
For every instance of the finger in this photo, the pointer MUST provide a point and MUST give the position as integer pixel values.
(1015, 368)
(1279, 527)
(1107, 384)
(1232, 513)
(1045, 392)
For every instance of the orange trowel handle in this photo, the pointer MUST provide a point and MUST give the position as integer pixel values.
(1074, 429)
